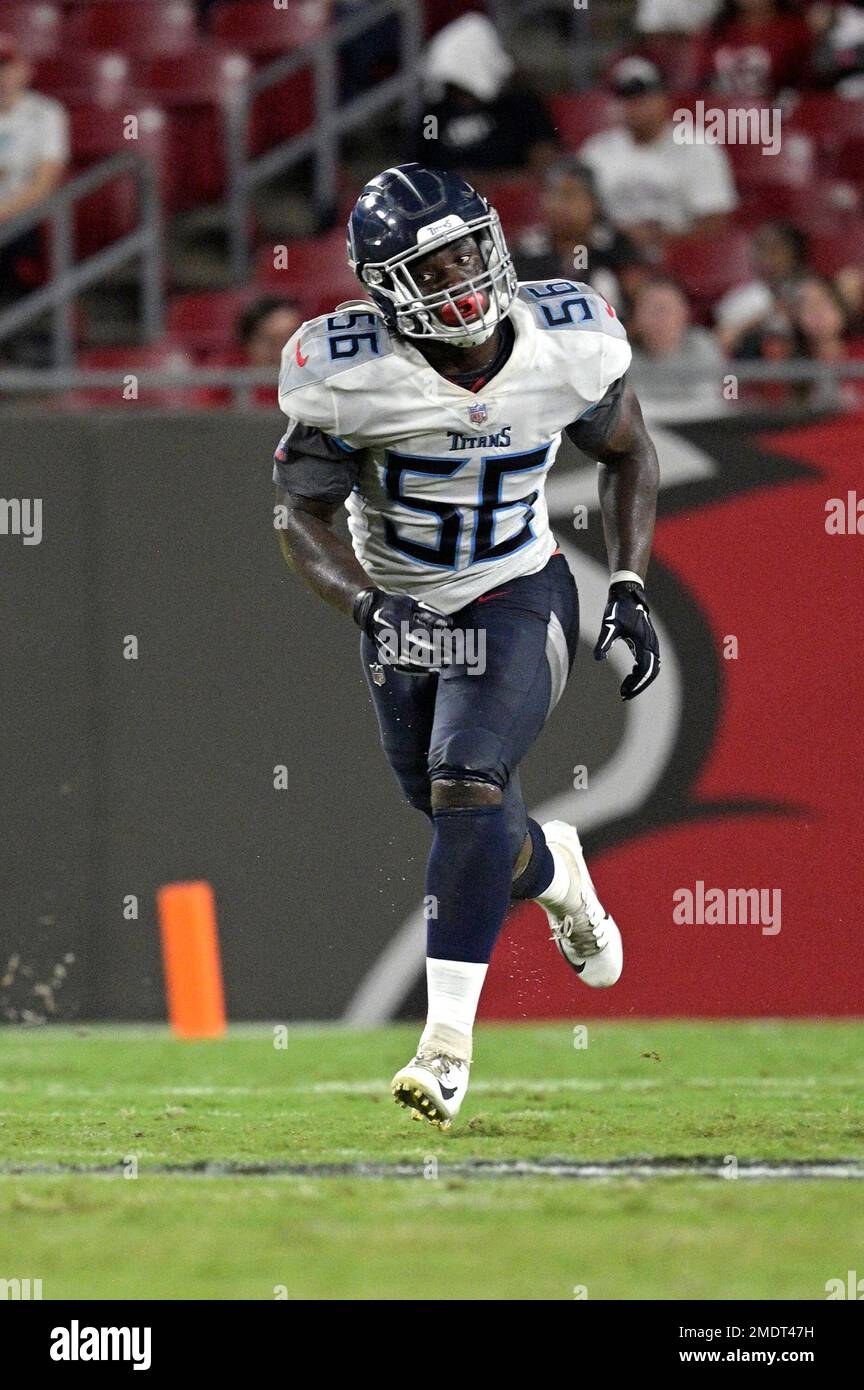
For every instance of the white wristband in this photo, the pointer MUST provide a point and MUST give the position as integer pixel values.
(626, 576)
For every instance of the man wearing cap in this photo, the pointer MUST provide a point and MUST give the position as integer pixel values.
(480, 117)
(34, 150)
(650, 185)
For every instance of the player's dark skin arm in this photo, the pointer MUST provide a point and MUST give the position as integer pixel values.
(628, 484)
(313, 551)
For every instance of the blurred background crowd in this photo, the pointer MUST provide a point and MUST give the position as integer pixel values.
(714, 254)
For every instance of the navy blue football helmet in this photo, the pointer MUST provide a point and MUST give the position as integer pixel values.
(407, 212)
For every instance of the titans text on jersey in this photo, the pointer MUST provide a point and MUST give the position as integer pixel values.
(444, 487)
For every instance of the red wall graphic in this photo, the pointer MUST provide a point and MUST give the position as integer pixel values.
(776, 799)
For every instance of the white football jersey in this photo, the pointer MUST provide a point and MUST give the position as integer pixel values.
(449, 500)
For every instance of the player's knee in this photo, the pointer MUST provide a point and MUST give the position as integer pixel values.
(455, 794)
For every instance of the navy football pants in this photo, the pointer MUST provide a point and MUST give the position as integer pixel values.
(480, 726)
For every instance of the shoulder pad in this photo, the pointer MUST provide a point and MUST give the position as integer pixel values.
(558, 304)
(322, 348)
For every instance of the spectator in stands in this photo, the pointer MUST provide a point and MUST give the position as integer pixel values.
(574, 241)
(780, 254)
(666, 348)
(651, 186)
(675, 16)
(480, 119)
(756, 48)
(264, 328)
(809, 323)
(839, 56)
(34, 151)
(821, 325)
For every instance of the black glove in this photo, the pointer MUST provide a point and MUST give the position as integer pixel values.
(403, 630)
(627, 615)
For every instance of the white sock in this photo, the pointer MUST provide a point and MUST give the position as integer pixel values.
(555, 896)
(454, 992)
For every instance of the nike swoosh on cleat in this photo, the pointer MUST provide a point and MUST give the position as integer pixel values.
(446, 1092)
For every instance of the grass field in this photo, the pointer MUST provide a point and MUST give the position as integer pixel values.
(135, 1101)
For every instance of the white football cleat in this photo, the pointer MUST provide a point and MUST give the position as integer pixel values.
(583, 931)
(433, 1085)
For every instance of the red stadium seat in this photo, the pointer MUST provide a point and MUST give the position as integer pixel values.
(515, 201)
(829, 120)
(258, 397)
(791, 167)
(128, 361)
(577, 117)
(102, 78)
(97, 132)
(848, 162)
(314, 265)
(708, 266)
(822, 206)
(266, 32)
(155, 27)
(206, 322)
(831, 252)
(36, 27)
(195, 88)
(677, 57)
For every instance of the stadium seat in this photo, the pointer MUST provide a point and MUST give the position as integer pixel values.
(97, 132)
(708, 266)
(35, 26)
(257, 397)
(165, 356)
(515, 201)
(314, 264)
(828, 205)
(205, 323)
(577, 117)
(831, 252)
(102, 78)
(155, 26)
(848, 162)
(264, 32)
(791, 167)
(827, 118)
(195, 88)
(677, 57)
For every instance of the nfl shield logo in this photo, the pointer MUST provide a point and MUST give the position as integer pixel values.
(478, 413)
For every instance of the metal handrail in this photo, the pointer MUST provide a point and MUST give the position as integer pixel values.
(69, 278)
(241, 381)
(329, 121)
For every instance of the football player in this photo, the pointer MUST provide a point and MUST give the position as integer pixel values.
(433, 413)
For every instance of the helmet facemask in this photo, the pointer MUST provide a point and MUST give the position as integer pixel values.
(471, 309)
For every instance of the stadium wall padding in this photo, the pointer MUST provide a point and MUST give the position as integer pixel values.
(121, 774)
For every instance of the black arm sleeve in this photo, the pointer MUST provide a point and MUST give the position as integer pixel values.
(310, 463)
(591, 431)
